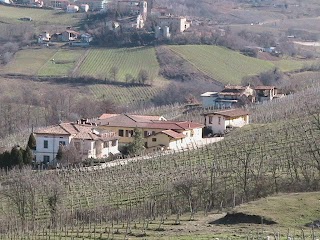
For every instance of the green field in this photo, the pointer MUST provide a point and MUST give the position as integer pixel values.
(124, 95)
(39, 16)
(63, 64)
(29, 61)
(128, 61)
(220, 63)
(93, 62)
(39, 62)
(228, 66)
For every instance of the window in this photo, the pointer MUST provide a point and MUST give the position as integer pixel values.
(105, 144)
(145, 134)
(77, 145)
(219, 120)
(154, 139)
(45, 144)
(129, 133)
(121, 133)
(210, 119)
(114, 143)
(46, 159)
(62, 143)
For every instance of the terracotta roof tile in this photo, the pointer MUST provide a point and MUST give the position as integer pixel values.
(124, 120)
(77, 131)
(173, 134)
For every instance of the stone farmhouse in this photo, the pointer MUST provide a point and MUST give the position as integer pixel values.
(158, 133)
(90, 141)
(221, 121)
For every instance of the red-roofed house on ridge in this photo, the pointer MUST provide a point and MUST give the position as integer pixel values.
(157, 131)
(90, 141)
(220, 121)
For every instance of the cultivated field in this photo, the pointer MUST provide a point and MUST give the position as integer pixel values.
(40, 62)
(29, 61)
(229, 67)
(64, 62)
(221, 64)
(153, 204)
(122, 95)
(39, 16)
(93, 62)
(128, 61)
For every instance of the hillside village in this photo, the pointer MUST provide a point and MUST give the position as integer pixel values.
(111, 134)
(159, 119)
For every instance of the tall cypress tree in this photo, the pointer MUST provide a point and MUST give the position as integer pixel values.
(17, 156)
(137, 145)
(27, 156)
(32, 142)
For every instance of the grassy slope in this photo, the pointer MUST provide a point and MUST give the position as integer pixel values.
(229, 66)
(222, 64)
(29, 61)
(129, 61)
(41, 63)
(288, 210)
(65, 62)
(39, 16)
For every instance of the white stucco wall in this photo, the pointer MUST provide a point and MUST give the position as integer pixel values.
(110, 149)
(215, 125)
(237, 122)
(53, 146)
(219, 126)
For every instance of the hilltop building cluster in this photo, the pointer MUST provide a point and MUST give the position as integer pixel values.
(74, 38)
(232, 96)
(104, 136)
(134, 14)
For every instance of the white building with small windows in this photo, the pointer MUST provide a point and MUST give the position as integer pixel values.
(220, 121)
(90, 141)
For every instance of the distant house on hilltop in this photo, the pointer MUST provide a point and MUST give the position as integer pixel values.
(267, 93)
(69, 35)
(233, 96)
(93, 5)
(229, 97)
(220, 121)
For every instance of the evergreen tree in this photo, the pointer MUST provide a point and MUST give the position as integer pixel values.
(6, 159)
(59, 153)
(17, 156)
(27, 156)
(32, 142)
(137, 146)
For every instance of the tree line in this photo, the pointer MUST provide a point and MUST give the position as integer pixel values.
(18, 156)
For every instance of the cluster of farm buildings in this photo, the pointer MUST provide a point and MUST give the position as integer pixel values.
(102, 137)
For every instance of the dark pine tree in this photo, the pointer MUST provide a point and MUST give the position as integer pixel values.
(32, 142)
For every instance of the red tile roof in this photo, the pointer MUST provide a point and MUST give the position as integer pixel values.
(137, 118)
(77, 131)
(230, 113)
(132, 121)
(173, 134)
